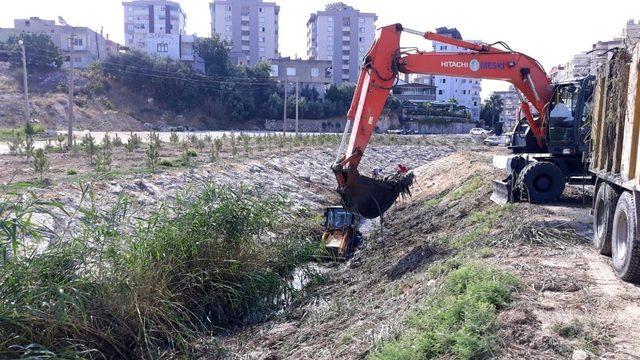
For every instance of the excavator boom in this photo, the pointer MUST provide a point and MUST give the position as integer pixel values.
(382, 65)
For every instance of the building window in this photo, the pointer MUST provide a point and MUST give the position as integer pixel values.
(291, 71)
(77, 42)
(444, 81)
(475, 103)
(260, 9)
(361, 20)
(228, 27)
(77, 59)
(228, 8)
(261, 19)
(263, 29)
(330, 38)
(261, 49)
(161, 8)
(163, 47)
(227, 18)
(130, 8)
(130, 18)
(361, 48)
(263, 39)
(329, 48)
(330, 19)
(330, 57)
(330, 28)
(274, 70)
(362, 29)
(315, 72)
(439, 92)
(361, 39)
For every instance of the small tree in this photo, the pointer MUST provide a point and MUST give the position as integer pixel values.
(186, 153)
(61, 141)
(16, 142)
(246, 139)
(218, 143)
(89, 146)
(154, 137)
(117, 141)
(133, 142)
(174, 139)
(152, 156)
(29, 132)
(105, 154)
(213, 153)
(234, 149)
(40, 163)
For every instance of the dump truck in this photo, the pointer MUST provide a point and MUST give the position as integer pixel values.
(615, 163)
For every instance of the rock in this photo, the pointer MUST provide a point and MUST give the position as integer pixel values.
(581, 355)
(147, 126)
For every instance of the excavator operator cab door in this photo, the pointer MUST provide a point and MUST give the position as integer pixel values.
(567, 117)
(338, 218)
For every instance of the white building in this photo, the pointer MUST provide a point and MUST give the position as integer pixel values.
(342, 35)
(631, 33)
(157, 27)
(465, 91)
(89, 45)
(251, 26)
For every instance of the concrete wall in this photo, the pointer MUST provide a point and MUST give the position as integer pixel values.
(327, 125)
(446, 128)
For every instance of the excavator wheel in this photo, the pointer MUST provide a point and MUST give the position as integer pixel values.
(543, 181)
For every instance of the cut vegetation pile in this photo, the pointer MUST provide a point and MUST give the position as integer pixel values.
(127, 287)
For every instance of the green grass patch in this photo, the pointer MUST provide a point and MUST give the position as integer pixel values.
(8, 133)
(469, 186)
(588, 334)
(459, 321)
(482, 223)
(212, 260)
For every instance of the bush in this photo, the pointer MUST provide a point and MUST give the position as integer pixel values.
(174, 139)
(152, 156)
(90, 147)
(40, 163)
(72, 172)
(459, 322)
(105, 154)
(113, 292)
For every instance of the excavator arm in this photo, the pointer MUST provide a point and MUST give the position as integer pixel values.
(382, 65)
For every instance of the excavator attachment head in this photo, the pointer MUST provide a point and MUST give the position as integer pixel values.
(502, 191)
(371, 197)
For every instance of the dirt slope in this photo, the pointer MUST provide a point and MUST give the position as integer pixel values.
(569, 302)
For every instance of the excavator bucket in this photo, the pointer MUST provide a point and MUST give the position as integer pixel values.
(371, 197)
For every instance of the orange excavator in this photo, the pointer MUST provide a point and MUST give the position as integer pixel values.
(549, 147)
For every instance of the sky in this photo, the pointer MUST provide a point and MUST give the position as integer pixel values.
(549, 30)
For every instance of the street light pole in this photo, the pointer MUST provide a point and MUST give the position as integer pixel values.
(27, 110)
(297, 101)
(71, 90)
(284, 118)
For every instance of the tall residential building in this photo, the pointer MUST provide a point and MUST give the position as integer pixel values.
(342, 35)
(250, 25)
(466, 91)
(154, 26)
(510, 105)
(88, 45)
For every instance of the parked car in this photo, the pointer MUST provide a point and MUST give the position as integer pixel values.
(479, 131)
(494, 140)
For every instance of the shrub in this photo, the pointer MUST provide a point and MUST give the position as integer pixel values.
(234, 149)
(174, 139)
(459, 322)
(88, 143)
(72, 172)
(144, 292)
(133, 142)
(152, 156)
(29, 132)
(61, 138)
(40, 163)
(16, 142)
(105, 154)
(117, 141)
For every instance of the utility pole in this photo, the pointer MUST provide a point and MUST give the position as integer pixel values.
(71, 90)
(27, 110)
(284, 119)
(297, 98)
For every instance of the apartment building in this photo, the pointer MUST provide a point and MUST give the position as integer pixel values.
(89, 45)
(308, 73)
(153, 26)
(510, 105)
(465, 91)
(342, 35)
(251, 26)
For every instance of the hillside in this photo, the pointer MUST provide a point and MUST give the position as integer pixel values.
(114, 109)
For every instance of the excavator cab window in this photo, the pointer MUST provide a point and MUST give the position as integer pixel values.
(563, 115)
(339, 218)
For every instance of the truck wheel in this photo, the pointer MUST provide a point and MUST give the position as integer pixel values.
(624, 243)
(543, 180)
(603, 212)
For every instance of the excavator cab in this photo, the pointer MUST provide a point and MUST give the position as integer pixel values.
(341, 235)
